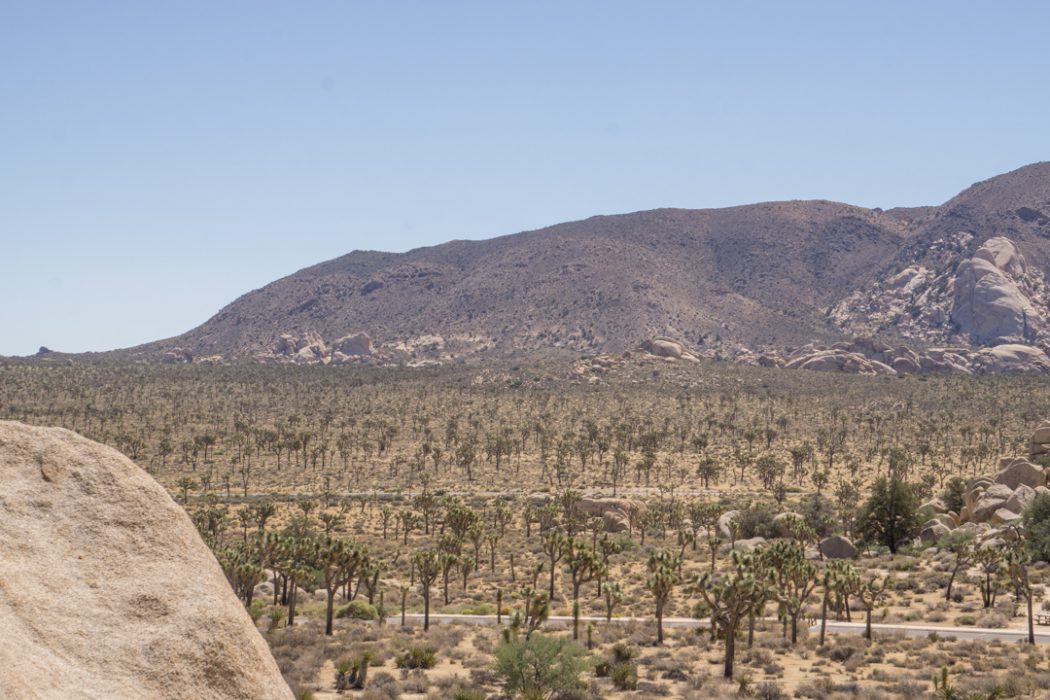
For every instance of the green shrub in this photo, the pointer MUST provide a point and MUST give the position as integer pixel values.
(421, 655)
(256, 610)
(357, 610)
(624, 676)
(540, 666)
(1037, 527)
(953, 494)
(622, 653)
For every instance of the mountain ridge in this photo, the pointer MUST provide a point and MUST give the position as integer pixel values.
(766, 275)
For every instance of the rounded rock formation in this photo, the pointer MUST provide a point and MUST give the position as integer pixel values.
(106, 589)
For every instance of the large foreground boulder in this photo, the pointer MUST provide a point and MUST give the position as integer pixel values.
(106, 589)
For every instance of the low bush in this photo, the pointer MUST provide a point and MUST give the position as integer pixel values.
(357, 610)
(422, 655)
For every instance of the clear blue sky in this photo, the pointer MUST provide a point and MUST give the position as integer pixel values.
(158, 159)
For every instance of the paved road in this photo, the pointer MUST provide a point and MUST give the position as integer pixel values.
(982, 633)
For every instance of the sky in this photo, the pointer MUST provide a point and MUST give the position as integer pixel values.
(158, 160)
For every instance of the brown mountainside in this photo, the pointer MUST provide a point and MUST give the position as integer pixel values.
(775, 274)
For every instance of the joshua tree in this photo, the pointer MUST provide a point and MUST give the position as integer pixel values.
(1017, 559)
(295, 562)
(337, 561)
(613, 596)
(427, 566)
(839, 578)
(793, 579)
(535, 610)
(385, 514)
(990, 561)
(330, 521)
(663, 577)
(554, 546)
(870, 593)
(186, 484)
(450, 549)
(263, 511)
(731, 598)
(959, 543)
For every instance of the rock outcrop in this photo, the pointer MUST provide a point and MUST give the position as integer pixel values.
(615, 512)
(106, 589)
(992, 300)
(837, 547)
(868, 356)
(350, 346)
(666, 347)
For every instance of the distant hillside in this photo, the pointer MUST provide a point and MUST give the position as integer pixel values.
(778, 274)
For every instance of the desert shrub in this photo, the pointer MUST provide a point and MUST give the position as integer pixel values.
(993, 620)
(382, 686)
(540, 666)
(953, 493)
(622, 653)
(769, 691)
(1037, 527)
(467, 694)
(420, 655)
(819, 514)
(757, 521)
(257, 609)
(624, 676)
(357, 610)
(890, 515)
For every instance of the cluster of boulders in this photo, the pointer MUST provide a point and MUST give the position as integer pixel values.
(869, 356)
(616, 512)
(993, 503)
(990, 298)
(833, 547)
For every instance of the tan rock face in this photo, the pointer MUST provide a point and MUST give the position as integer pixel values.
(992, 302)
(1021, 472)
(106, 589)
(356, 344)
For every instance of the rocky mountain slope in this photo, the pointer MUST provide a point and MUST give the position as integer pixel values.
(106, 589)
(967, 274)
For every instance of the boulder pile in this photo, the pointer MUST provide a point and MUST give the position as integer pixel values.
(614, 511)
(992, 503)
(868, 356)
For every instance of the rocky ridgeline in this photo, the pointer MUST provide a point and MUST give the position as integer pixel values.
(990, 298)
(107, 590)
(992, 504)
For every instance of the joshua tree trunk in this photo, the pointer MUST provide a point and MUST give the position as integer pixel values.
(330, 593)
(426, 609)
(730, 650)
(291, 603)
(823, 617)
(1031, 628)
